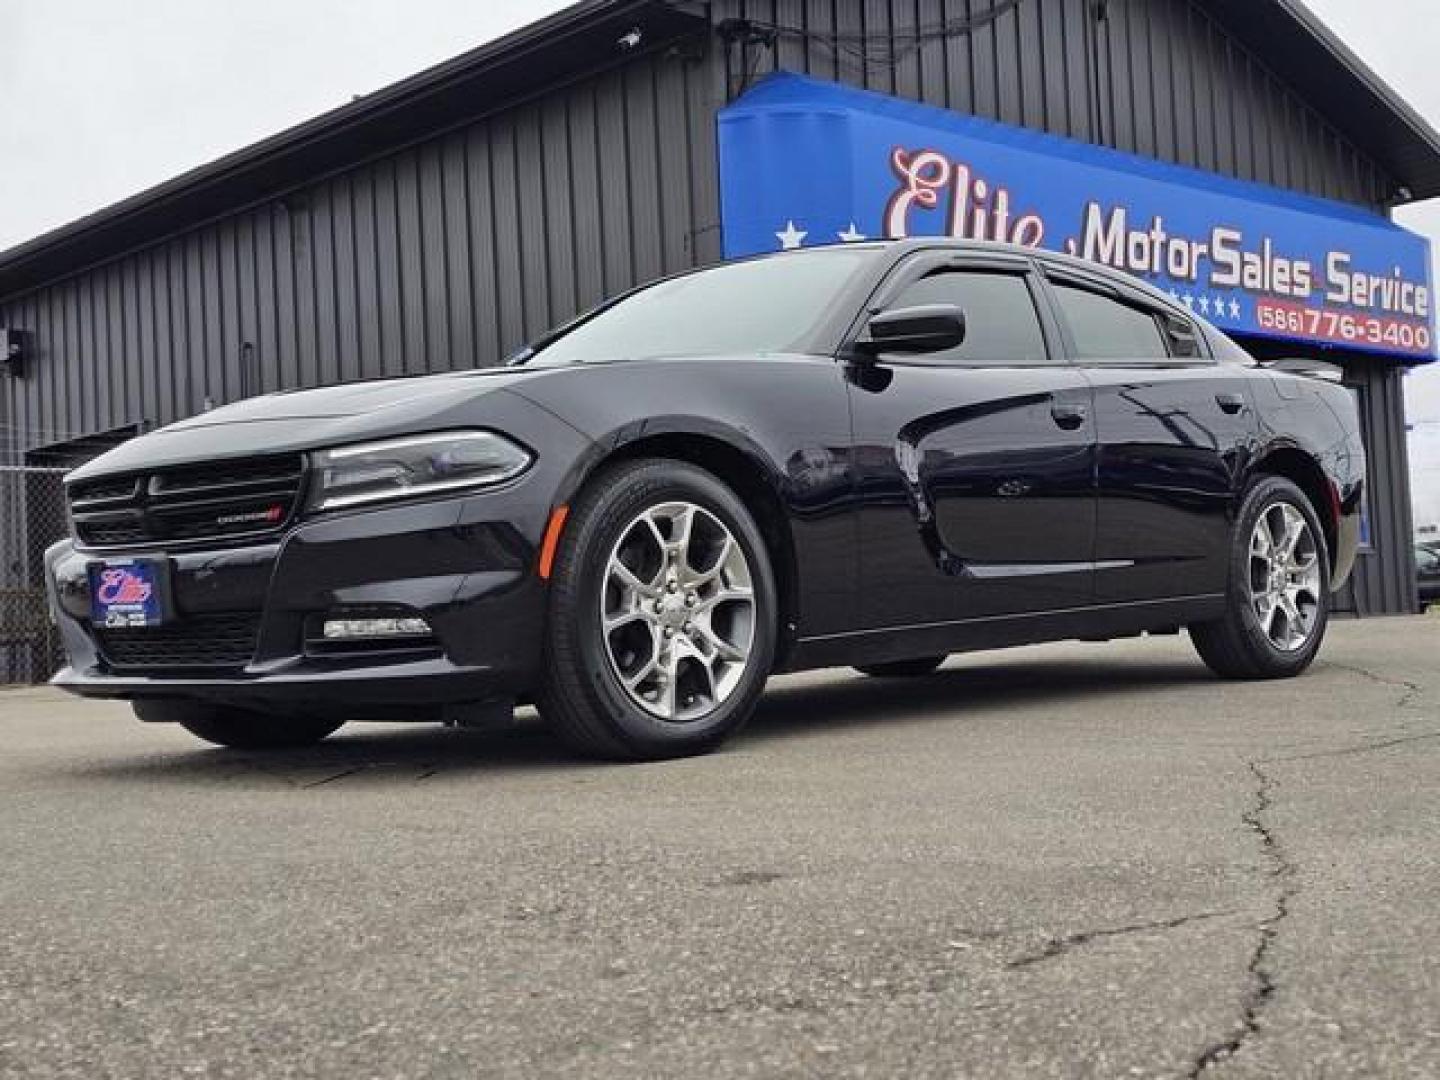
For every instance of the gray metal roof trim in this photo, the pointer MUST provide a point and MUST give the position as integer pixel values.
(349, 119)
(1297, 10)
(1303, 51)
(1423, 131)
(306, 130)
(1409, 146)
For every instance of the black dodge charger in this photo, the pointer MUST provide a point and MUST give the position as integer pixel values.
(873, 455)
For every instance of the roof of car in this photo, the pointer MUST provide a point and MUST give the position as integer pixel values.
(1082, 267)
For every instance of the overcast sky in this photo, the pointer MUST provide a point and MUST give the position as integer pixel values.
(104, 99)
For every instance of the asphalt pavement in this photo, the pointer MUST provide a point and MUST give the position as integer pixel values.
(1069, 861)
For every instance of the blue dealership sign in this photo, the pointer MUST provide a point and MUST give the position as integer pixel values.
(805, 162)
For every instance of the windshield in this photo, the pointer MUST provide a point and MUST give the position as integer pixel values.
(759, 306)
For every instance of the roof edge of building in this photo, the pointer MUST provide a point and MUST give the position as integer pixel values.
(33, 263)
(1423, 130)
(112, 231)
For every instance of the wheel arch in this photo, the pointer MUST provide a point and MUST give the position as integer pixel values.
(1302, 470)
(742, 466)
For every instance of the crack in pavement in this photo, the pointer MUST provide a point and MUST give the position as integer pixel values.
(1363, 748)
(1060, 946)
(1262, 978)
(354, 770)
(427, 771)
(254, 766)
(1412, 690)
(275, 771)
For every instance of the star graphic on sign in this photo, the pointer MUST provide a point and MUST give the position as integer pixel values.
(792, 237)
(1189, 301)
(851, 235)
(1205, 304)
(1234, 309)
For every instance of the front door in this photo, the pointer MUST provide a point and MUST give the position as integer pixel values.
(974, 466)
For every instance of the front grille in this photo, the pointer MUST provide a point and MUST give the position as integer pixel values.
(111, 490)
(223, 501)
(212, 642)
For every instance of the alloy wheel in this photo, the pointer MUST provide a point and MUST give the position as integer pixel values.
(1285, 579)
(677, 611)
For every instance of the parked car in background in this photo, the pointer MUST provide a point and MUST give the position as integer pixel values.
(875, 455)
(1427, 571)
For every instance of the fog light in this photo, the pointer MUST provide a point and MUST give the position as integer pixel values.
(352, 629)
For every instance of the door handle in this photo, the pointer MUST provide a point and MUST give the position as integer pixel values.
(1069, 414)
(1230, 403)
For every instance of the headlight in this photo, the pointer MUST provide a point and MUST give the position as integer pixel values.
(420, 465)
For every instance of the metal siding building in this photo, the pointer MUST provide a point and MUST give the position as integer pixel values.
(443, 222)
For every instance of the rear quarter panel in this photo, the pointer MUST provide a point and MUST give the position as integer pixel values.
(1321, 420)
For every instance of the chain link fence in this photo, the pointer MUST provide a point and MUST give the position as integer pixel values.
(32, 517)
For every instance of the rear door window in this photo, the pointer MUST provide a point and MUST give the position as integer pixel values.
(1105, 328)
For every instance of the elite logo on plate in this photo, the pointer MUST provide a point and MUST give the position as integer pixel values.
(120, 586)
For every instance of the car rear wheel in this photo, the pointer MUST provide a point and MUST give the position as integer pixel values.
(1278, 600)
(241, 729)
(662, 615)
(901, 669)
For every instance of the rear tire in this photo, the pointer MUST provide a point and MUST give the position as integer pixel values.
(239, 729)
(902, 669)
(662, 618)
(1278, 597)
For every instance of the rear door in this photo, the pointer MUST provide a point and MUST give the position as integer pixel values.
(1174, 431)
(974, 465)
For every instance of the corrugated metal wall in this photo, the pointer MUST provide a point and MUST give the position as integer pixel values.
(455, 251)
(1154, 77)
(1384, 579)
(448, 254)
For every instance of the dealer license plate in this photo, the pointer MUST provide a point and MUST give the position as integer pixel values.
(127, 593)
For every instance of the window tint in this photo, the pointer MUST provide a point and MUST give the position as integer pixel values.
(1001, 324)
(756, 307)
(1106, 329)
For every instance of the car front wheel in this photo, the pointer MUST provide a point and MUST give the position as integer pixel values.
(1278, 599)
(662, 615)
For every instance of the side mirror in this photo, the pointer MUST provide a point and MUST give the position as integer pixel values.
(925, 329)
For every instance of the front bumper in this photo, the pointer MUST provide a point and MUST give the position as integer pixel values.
(467, 565)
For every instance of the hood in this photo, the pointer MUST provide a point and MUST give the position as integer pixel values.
(414, 396)
(309, 419)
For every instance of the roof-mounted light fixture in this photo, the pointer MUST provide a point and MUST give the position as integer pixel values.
(14, 351)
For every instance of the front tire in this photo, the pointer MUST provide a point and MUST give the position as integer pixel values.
(663, 615)
(1278, 598)
(239, 729)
